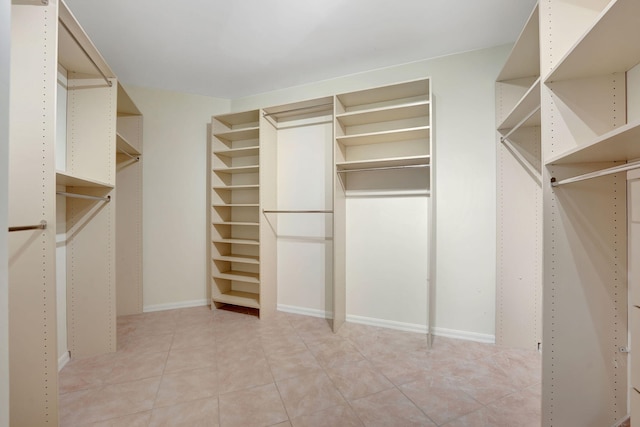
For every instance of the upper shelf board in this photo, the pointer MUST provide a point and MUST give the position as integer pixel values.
(122, 145)
(385, 114)
(245, 118)
(71, 41)
(125, 105)
(378, 95)
(524, 59)
(63, 178)
(528, 103)
(609, 46)
(239, 135)
(421, 132)
(381, 163)
(301, 110)
(618, 145)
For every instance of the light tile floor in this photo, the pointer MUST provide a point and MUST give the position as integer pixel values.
(197, 367)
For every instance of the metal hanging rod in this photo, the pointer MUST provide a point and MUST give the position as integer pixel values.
(83, 196)
(532, 170)
(596, 174)
(521, 122)
(136, 158)
(310, 107)
(109, 83)
(295, 211)
(383, 168)
(41, 226)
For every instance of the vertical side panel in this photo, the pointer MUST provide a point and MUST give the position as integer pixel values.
(32, 293)
(339, 236)
(129, 292)
(91, 227)
(633, 202)
(268, 223)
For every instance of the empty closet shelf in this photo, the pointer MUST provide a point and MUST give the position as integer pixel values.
(244, 259)
(238, 276)
(379, 163)
(239, 135)
(244, 299)
(420, 132)
(385, 114)
(235, 205)
(237, 187)
(250, 224)
(238, 169)
(238, 152)
(69, 180)
(237, 241)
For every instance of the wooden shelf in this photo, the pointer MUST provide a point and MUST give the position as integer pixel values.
(524, 60)
(236, 223)
(126, 106)
(239, 276)
(529, 102)
(235, 205)
(244, 259)
(66, 179)
(369, 98)
(239, 119)
(123, 145)
(618, 145)
(238, 169)
(237, 187)
(243, 299)
(238, 241)
(239, 135)
(608, 46)
(239, 152)
(384, 114)
(420, 132)
(389, 162)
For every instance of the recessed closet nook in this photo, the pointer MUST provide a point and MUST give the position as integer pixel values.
(321, 201)
(74, 205)
(568, 120)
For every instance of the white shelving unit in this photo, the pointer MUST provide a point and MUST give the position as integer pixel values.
(383, 147)
(519, 192)
(236, 158)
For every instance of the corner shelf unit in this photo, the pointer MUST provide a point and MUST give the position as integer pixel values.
(235, 211)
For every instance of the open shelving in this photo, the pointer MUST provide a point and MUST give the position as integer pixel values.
(235, 203)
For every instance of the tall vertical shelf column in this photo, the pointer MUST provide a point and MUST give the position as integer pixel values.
(519, 192)
(236, 223)
(587, 54)
(129, 292)
(383, 155)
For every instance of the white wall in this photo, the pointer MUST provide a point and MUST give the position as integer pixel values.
(5, 37)
(175, 195)
(463, 92)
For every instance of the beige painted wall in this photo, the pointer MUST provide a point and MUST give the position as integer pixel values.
(175, 195)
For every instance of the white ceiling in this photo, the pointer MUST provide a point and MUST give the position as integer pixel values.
(234, 48)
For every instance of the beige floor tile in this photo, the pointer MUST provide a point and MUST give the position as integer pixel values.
(480, 418)
(196, 413)
(254, 407)
(358, 379)
(333, 352)
(293, 364)
(136, 420)
(99, 404)
(146, 343)
(520, 409)
(337, 416)
(441, 400)
(244, 373)
(193, 337)
(91, 372)
(390, 408)
(135, 366)
(184, 386)
(308, 394)
(184, 359)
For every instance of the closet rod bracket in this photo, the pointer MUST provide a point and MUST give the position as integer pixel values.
(41, 226)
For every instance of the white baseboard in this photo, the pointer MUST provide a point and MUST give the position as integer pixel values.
(174, 305)
(63, 360)
(464, 335)
(390, 324)
(305, 311)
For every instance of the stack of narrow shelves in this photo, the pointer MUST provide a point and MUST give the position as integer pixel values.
(385, 127)
(235, 215)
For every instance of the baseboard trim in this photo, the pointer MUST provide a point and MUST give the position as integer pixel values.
(312, 312)
(175, 305)
(389, 324)
(63, 360)
(464, 335)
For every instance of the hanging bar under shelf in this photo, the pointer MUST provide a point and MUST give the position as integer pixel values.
(109, 83)
(41, 226)
(382, 168)
(84, 196)
(136, 158)
(295, 211)
(596, 174)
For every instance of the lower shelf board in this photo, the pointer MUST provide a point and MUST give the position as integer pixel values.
(240, 276)
(243, 299)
